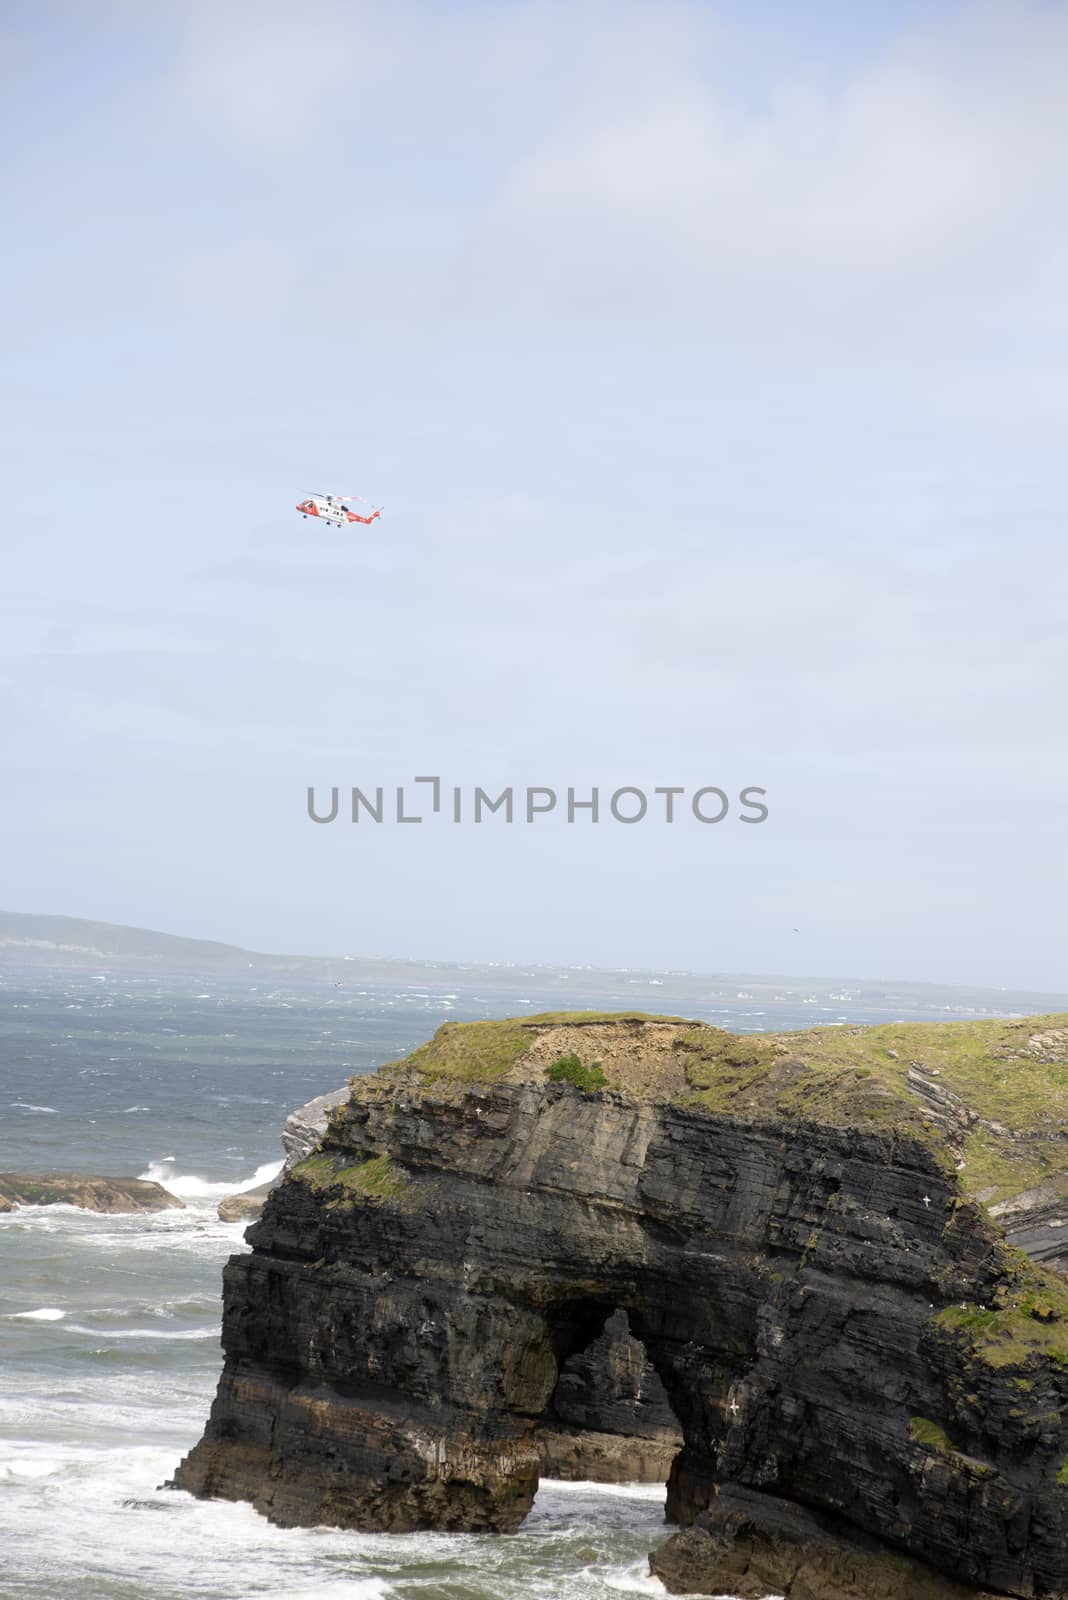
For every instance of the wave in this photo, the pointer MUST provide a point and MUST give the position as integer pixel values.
(210, 1332)
(190, 1186)
(346, 1589)
(44, 1314)
(26, 1105)
(610, 1491)
(28, 1467)
(633, 1580)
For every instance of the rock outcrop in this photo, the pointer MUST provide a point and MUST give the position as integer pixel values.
(301, 1132)
(247, 1204)
(751, 1545)
(304, 1127)
(792, 1229)
(89, 1193)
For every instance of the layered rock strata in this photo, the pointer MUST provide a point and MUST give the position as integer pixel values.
(837, 1322)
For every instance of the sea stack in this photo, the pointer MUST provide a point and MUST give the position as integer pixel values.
(801, 1230)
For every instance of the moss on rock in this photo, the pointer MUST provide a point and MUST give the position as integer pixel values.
(376, 1178)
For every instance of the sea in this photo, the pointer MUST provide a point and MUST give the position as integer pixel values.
(109, 1325)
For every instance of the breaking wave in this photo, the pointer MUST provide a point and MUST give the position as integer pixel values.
(191, 1187)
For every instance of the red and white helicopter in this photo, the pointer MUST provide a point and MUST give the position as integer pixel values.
(334, 508)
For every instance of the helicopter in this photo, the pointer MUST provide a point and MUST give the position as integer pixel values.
(333, 508)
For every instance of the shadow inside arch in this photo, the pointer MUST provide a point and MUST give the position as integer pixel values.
(609, 1418)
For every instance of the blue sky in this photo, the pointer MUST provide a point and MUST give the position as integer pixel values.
(710, 362)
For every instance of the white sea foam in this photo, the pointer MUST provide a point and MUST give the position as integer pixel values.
(191, 1187)
(209, 1332)
(17, 1469)
(43, 1314)
(343, 1589)
(636, 1579)
(613, 1491)
(26, 1105)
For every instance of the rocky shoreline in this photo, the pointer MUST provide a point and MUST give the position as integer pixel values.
(89, 1193)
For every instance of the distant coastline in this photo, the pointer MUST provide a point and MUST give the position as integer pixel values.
(60, 943)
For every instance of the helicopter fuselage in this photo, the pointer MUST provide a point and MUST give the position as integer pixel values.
(331, 509)
(325, 506)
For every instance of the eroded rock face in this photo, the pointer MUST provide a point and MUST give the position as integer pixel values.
(305, 1127)
(751, 1545)
(90, 1193)
(833, 1320)
(609, 1419)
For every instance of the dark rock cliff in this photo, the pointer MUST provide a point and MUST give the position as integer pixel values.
(835, 1319)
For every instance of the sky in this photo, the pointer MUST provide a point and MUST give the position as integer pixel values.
(710, 363)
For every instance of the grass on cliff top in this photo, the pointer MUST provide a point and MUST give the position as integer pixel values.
(469, 1052)
(860, 1075)
(983, 1063)
(480, 1052)
(589, 1019)
(1012, 1073)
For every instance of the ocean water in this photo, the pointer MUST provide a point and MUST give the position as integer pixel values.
(109, 1326)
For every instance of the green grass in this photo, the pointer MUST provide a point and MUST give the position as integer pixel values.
(860, 1076)
(480, 1052)
(317, 1171)
(929, 1434)
(589, 1019)
(376, 1178)
(831, 1075)
(1062, 1471)
(1028, 1317)
(569, 1069)
(469, 1052)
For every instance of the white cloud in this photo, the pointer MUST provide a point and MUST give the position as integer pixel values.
(958, 133)
(586, 175)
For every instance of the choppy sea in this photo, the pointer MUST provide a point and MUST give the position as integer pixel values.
(109, 1326)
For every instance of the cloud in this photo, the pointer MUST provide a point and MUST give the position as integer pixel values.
(542, 179)
(929, 150)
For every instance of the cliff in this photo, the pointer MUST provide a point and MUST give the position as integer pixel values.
(799, 1229)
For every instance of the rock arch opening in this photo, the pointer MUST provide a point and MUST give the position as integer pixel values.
(609, 1419)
